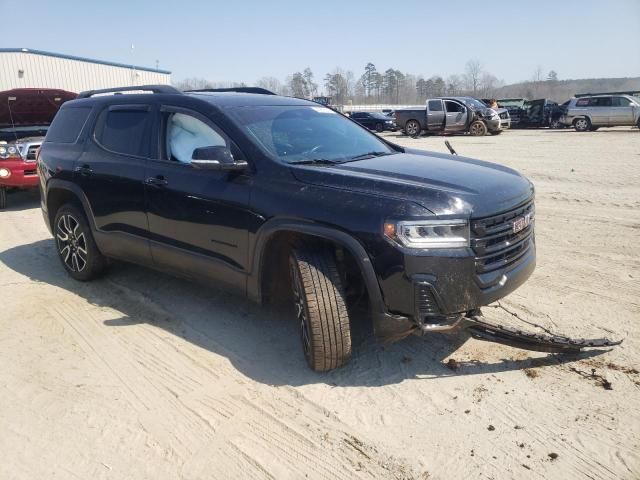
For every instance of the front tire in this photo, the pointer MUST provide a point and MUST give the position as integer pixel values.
(320, 307)
(379, 127)
(582, 125)
(413, 128)
(75, 245)
(3, 198)
(478, 129)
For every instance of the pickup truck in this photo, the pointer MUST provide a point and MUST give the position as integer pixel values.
(453, 115)
(25, 115)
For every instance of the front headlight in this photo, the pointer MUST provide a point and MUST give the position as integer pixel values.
(429, 233)
(5, 173)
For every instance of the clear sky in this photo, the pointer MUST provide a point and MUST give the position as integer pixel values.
(249, 39)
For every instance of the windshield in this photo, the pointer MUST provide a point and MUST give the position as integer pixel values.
(295, 134)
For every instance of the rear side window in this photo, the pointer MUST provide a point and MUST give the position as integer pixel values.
(582, 102)
(124, 130)
(67, 124)
(435, 105)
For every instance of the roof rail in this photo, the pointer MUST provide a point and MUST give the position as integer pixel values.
(262, 91)
(145, 88)
(628, 92)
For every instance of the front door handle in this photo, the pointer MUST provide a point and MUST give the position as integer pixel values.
(84, 170)
(157, 181)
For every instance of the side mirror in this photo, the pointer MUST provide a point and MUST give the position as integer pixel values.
(216, 158)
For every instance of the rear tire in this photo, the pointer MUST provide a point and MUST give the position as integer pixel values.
(3, 198)
(320, 305)
(478, 129)
(413, 128)
(582, 125)
(75, 245)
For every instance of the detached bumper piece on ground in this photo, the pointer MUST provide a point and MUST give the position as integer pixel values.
(479, 328)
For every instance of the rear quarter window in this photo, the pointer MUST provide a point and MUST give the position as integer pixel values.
(67, 124)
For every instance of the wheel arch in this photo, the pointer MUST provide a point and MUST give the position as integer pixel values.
(60, 192)
(279, 234)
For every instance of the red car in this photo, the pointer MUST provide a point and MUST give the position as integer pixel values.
(25, 115)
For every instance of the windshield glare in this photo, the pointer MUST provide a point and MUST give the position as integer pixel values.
(298, 133)
(474, 104)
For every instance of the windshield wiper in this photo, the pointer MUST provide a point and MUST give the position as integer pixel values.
(315, 161)
(364, 156)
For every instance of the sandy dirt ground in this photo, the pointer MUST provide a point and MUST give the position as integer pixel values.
(140, 375)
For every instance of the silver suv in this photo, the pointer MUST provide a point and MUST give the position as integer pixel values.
(591, 113)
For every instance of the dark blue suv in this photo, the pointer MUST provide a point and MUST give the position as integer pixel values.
(282, 199)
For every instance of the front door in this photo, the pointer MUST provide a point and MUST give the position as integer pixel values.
(621, 112)
(435, 115)
(198, 219)
(110, 173)
(600, 109)
(456, 116)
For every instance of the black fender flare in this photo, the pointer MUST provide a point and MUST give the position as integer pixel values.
(339, 237)
(59, 184)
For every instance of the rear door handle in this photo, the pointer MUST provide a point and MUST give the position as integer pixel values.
(84, 170)
(157, 181)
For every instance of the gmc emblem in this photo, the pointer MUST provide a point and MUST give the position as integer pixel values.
(521, 223)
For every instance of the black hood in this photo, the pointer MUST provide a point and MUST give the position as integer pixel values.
(444, 184)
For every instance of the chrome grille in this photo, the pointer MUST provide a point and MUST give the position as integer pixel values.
(494, 241)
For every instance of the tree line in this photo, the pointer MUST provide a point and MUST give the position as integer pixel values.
(390, 85)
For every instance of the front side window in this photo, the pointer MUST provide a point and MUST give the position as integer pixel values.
(453, 107)
(185, 133)
(293, 134)
(124, 131)
(582, 102)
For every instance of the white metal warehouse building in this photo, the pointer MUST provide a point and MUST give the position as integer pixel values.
(26, 68)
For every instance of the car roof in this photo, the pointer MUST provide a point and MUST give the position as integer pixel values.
(224, 99)
(218, 99)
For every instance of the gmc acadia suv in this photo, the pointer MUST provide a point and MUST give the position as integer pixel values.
(283, 199)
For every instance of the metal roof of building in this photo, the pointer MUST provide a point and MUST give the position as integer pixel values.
(82, 59)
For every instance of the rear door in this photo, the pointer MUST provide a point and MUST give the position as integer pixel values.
(621, 112)
(199, 220)
(435, 115)
(600, 110)
(456, 116)
(111, 174)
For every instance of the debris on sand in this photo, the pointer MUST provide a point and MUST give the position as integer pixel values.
(452, 364)
(531, 373)
(553, 455)
(599, 379)
(526, 466)
(491, 428)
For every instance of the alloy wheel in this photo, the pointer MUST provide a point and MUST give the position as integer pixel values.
(72, 243)
(412, 128)
(581, 124)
